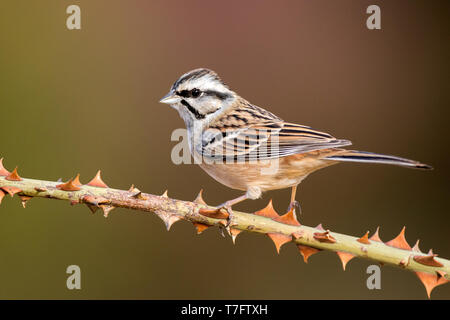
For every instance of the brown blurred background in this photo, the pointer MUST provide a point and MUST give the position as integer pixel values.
(76, 101)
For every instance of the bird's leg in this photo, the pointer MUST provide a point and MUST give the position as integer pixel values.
(217, 211)
(253, 192)
(294, 204)
(228, 204)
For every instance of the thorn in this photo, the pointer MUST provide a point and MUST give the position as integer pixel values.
(319, 226)
(428, 260)
(289, 218)
(95, 201)
(59, 180)
(234, 233)
(24, 200)
(76, 181)
(279, 239)
(430, 251)
(307, 251)
(399, 241)
(2, 194)
(97, 181)
(11, 190)
(200, 227)
(39, 189)
(68, 186)
(3, 171)
(345, 257)
(133, 189)
(139, 195)
(165, 194)
(430, 281)
(268, 211)
(172, 220)
(416, 246)
(89, 199)
(364, 239)
(74, 202)
(169, 219)
(199, 198)
(92, 208)
(13, 176)
(376, 236)
(324, 237)
(213, 213)
(106, 209)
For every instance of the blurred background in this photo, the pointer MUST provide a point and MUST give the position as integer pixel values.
(82, 100)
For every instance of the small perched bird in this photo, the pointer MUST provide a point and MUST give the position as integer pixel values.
(248, 148)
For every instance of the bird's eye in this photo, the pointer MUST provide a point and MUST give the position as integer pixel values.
(195, 93)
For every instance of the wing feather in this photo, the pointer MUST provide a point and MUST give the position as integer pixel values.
(254, 133)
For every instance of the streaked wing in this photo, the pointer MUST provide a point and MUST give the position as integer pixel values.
(254, 133)
(294, 139)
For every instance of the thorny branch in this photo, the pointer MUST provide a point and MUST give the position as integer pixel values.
(430, 269)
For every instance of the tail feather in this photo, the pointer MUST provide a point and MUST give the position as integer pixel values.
(369, 157)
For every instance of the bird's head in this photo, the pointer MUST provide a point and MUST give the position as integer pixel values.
(199, 96)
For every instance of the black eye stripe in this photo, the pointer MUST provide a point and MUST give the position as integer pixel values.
(195, 93)
(184, 93)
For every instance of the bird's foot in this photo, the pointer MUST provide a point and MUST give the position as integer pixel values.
(227, 207)
(223, 211)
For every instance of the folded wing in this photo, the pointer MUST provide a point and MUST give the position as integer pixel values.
(255, 134)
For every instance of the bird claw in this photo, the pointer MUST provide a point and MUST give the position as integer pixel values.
(223, 211)
(227, 207)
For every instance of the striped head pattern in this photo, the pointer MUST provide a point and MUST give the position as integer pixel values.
(199, 96)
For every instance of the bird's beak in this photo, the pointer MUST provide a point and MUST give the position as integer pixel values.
(170, 98)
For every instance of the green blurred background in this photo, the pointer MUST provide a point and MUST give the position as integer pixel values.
(76, 101)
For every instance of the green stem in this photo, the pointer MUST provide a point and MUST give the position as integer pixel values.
(173, 210)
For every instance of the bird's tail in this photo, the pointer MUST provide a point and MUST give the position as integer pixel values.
(369, 157)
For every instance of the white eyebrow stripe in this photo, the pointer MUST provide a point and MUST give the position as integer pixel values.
(205, 83)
